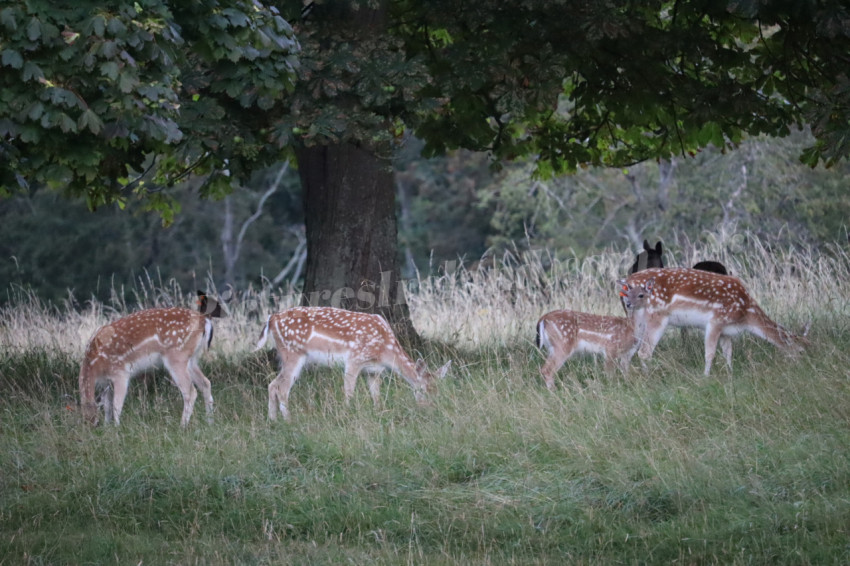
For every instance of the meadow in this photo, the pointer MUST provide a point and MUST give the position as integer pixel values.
(661, 465)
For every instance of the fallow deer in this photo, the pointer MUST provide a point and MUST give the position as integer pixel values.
(176, 337)
(565, 333)
(720, 304)
(712, 266)
(648, 258)
(654, 257)
(327, 335)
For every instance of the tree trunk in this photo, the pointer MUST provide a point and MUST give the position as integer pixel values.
(228, 248)
(352, 232)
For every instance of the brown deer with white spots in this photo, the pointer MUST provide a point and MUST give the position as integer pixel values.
(327, 336)
(175, 337)
(565, 333)
(719, 304)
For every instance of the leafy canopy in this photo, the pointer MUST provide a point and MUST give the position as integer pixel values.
(616, 82)
(92, 95)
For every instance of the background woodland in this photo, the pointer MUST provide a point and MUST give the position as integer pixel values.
(460, 207)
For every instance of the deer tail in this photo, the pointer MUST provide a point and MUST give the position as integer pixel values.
(208, 332)
(541, 339)
(264, 335)
(543, 331)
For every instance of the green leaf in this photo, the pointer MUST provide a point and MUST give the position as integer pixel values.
(30, 134)
(109, 49)
(116, 27)
(35, 111)
(98, 24)
(8, 18)
(31, 71)
(236, 17)
(66, 123)
(63, 97)
(127, 81)
(88, 119)
(12, 58)
(109, 69)
(34, 29)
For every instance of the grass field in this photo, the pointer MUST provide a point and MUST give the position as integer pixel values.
(660, 466)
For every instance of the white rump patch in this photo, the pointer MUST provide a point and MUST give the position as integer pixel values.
(591, 346)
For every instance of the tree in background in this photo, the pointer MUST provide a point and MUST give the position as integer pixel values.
(760, 188)
(211, 88)
(52, 244)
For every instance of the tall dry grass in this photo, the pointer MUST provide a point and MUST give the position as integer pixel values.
(500, 306)
(473, 309)
(663, 466)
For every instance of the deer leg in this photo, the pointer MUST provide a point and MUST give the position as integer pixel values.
(624, 358)
(375, 387)
(114, 401)
(553, 363)
(352, 370)
(203, 384)
(624, 364)
(105, 398)
(651, 337)
(181, 376)
(610, 362)
(726, 348)
(712, 335)
(280, 387)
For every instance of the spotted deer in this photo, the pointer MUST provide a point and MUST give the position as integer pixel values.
(565, 333)
(326, 336)
(175, 337)
(719, 304)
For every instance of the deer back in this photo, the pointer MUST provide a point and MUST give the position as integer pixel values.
(674, 288)
(333, 331)
(145, 336)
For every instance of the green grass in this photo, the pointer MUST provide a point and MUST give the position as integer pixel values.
(661, 466)
(658, 467)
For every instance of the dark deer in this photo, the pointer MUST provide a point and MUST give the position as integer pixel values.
(649, 257)
(711, 267)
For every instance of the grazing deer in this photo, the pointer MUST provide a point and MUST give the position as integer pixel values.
(327, 335)
(689, 297)
(176, 337)
(565, 333)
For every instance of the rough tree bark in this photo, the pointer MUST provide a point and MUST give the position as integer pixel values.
(349, 206)
(352, 234)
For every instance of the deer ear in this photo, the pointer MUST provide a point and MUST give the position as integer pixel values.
(658, 247)
(646, 246)
(441, 373)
